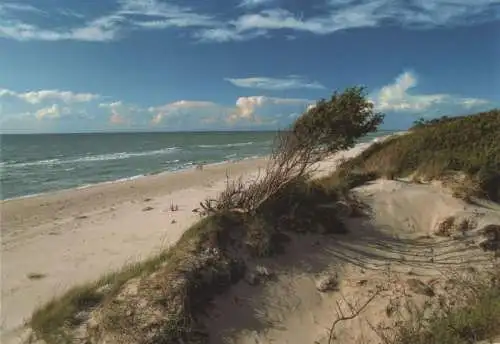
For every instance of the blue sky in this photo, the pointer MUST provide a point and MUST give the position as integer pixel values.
(114, 65)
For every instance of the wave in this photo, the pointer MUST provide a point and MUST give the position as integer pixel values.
(119, 180)
(33, 163)
(239, 144)
(92, 158)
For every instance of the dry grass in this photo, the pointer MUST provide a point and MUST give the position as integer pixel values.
(462, 151)
(469, 316)
(50, 321)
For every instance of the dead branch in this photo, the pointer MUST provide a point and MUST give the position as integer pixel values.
(354, 312)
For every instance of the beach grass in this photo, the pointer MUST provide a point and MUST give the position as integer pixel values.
(463, 152)
(475, 317)
(48, 321)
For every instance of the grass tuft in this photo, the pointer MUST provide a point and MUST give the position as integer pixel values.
(464, 151)
(475, 318)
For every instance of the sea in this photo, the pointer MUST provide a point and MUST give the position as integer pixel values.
(39, 163)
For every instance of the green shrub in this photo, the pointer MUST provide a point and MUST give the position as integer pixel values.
(468, 145)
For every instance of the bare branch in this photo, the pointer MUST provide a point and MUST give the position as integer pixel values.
(354, 313)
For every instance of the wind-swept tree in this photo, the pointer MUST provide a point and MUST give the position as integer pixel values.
(325, 128)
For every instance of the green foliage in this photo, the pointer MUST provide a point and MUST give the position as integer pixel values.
(467, 144)
(422, 122)
(303, 207)
(327, 128)
(336, 124)
(345, 179)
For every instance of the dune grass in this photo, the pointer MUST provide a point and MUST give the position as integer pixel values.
(467, 146)
(51, 321)
(48, 321)
(475, 318)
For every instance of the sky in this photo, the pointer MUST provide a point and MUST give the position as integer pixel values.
(170, 65)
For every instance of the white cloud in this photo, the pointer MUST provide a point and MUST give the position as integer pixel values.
(121, 113)
(255, 107)
(154, 14)
(265, 83)
(470, 103)
(246, 106)
(35, 97)
(346, 14)
(337, 15)
(396, 97)
(255, 3)
(30, 111)
(117, 118)
(182, 108)
(227, 34)
(111, 105)
(51, 112)
(15, 7)
(250, 110)
(311, 106)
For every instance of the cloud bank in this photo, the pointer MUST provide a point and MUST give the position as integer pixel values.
(254, 19)
(397, 97)
(275, 84)
(47, 109)
(36, 97)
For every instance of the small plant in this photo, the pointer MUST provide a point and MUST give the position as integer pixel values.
(446, 227)
(36, 276)
(174, 207)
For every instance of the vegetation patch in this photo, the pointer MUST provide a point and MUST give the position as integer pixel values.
(464, 152)
(472, 316)
(51, 321)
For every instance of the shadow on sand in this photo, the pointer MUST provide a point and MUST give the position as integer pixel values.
(365, 247)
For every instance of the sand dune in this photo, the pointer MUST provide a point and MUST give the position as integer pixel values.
(385, 250)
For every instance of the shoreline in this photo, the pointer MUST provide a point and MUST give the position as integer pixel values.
(174, 170)
(126, 179)
(149, 186)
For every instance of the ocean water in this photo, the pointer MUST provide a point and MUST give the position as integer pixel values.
(34, 164)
